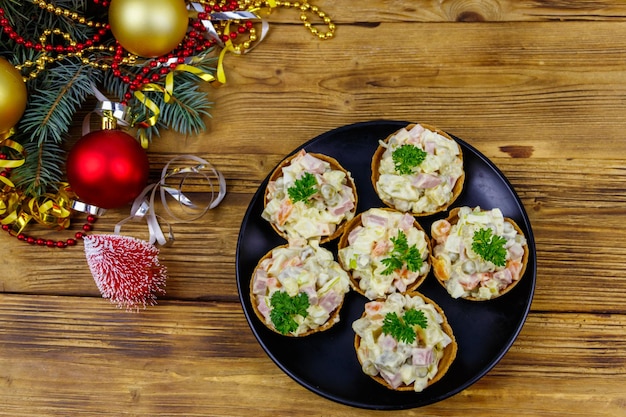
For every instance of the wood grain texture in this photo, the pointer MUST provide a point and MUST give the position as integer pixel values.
(467, 11)
(536, 86)
(190, 358)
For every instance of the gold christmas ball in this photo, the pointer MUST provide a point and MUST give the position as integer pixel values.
(12, 96)
(148, 28)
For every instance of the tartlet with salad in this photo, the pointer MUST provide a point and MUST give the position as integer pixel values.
(478, 254)
(385, 251)
(418, 169)
(309, 196)
(404, 342)
(297, 290)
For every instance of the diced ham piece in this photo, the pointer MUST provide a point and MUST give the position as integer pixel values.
(416, 132)
(400, 284)
(263, 308)
(406, 222)
(504, 277)
(354, 233)
(392, 379)
(429, 147)
(516, 268)
(470, 282)
(422, 356)
(310, 291)
(426, 181)
(343, 207)
(516, 251)
(260, 282)
(312, 164)
(387, 342)
(381, 247)
(373, 220)
(330, 301)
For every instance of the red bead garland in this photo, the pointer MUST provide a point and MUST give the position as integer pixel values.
(87, 227)
(5, 26)
(195, 42)
(50, 243)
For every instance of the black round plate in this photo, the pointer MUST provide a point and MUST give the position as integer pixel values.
(326, 362)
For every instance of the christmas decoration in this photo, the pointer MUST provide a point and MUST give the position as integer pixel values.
(12, 96)
(126, 270)
(152, 57)
(148, 28)
(107, 168)
(63, 48)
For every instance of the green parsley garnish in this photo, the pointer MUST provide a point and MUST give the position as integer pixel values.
(489, 247)
(401, 328)
(285, 307)
(407, 157)
(303, 188)
(402, 254)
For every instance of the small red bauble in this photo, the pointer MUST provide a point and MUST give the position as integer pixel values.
(107, 168)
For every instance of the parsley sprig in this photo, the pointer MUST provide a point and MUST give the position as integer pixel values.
(285, 308)
(402, 254)
(402, 328)
(407, 157)
(303, 188)
(489, 246)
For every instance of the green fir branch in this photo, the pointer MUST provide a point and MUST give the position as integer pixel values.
(185, 111)
(54, 103)
(54, 99)
(42, 169)
(58, 92)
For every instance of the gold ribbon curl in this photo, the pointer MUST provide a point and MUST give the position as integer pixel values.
(168, 93)
(52, 210)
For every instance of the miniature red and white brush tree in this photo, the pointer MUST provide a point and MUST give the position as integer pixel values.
(126, 270)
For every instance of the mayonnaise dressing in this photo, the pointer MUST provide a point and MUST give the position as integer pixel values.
(431, 184)
(370, 243)
(309, 269)
(332, 204)
(466, 273)
(397, 362)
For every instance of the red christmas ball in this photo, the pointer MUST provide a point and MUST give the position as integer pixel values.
(107, 168)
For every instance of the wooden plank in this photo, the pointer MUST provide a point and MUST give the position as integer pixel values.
(538, 86)
(572, 215)
(68, 355)
(462, 11)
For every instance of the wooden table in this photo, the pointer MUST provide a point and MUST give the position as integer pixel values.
(537, 87)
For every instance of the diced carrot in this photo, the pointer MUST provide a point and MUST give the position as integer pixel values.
(372, 309)
(284, 212)
(439, 267)
(440, 230)
(515, 267)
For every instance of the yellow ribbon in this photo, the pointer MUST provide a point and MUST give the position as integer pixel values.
(168, 92)
(50, 210)
(9, 201)
(9, 197)
(12, 163)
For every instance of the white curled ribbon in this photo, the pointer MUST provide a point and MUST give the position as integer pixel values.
(144, 207)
